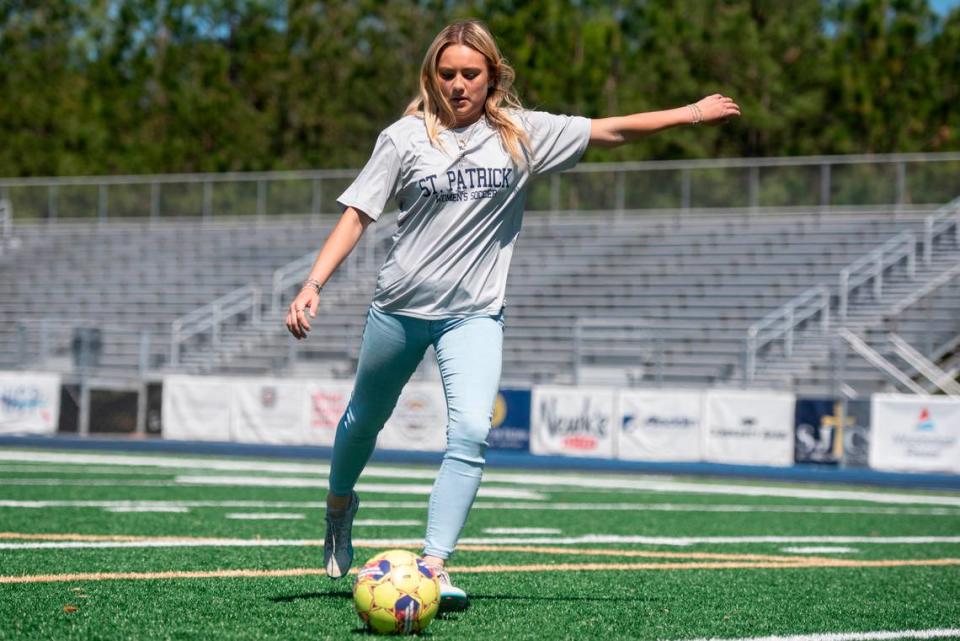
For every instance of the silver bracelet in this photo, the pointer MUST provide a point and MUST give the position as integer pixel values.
(697, 114)
(312, 282)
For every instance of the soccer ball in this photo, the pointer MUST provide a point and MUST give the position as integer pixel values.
(396, 593)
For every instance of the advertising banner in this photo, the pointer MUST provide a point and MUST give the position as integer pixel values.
(511, 420)
(29, 403)
(269, 411)
(660, 425)
(327, 401)
(419, 421)
(197, 408)
(749, 427)
(915, 433)
(856, 435)
(573, 421)
(817, 436)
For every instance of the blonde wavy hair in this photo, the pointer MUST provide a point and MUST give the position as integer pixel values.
(432, 105)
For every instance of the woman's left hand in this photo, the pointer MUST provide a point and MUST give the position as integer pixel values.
(716, 109)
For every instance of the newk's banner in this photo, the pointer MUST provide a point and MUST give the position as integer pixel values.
(573, 421)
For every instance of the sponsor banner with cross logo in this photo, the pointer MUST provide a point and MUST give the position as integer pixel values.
(660, 425)
(827, 433)
(915, 433)
(573, 421)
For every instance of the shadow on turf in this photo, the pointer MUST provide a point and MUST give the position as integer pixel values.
(517, 597)
(347, 594)
(330, 594)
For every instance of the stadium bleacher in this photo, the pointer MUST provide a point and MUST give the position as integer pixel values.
(696, 281)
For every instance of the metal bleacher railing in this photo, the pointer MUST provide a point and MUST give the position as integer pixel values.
(745, 208)
(898, 253)
(823, 181)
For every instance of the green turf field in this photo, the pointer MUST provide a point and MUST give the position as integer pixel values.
(99, 545)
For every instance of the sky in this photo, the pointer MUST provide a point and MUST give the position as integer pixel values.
(943, 6)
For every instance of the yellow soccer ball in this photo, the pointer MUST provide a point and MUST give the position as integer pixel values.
(396, 593)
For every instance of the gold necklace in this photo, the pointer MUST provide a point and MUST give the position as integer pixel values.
(467, 135)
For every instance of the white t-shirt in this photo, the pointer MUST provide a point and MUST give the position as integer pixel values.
(460, 209)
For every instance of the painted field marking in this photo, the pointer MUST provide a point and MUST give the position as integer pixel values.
(573, 482)
(711, 540)
(477, 569)
(522, 530)
(264, 516)
(292, 482)
(650, 554)
(387, 522)
(176, 509)
(881, 635)
(57, 540)
(500, 505)
(818, 550)
(383, 488)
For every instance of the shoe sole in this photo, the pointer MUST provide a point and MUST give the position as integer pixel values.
(453, 603)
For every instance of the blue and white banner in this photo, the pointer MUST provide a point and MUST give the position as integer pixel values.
(573, 421)
(749, 427)
(915, 433)
(660, 425)
(511, 420)
(29, 403)
(818, 435)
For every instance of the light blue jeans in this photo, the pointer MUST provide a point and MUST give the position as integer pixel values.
(469, 352)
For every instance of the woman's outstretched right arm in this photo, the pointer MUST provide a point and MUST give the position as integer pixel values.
(341, 241)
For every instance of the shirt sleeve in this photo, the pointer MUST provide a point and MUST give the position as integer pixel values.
(377, 183)
(557, 142)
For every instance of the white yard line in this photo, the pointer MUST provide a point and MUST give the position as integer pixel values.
(498, 505)
(56, 482)
(303, 505)
(266, 481)
(853, 636)
(382, 488)
(179, 509)
(818, 550)
(553, 480)
(522, 530)
(600, 482)
(401, 542)
(264, 516)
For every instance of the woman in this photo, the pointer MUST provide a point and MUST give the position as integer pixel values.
(458, 165)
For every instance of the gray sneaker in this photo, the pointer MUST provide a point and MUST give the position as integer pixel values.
(337, 546)
(452, 598)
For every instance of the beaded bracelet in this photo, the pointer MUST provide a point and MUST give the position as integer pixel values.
(697, 114)
(312, 282)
